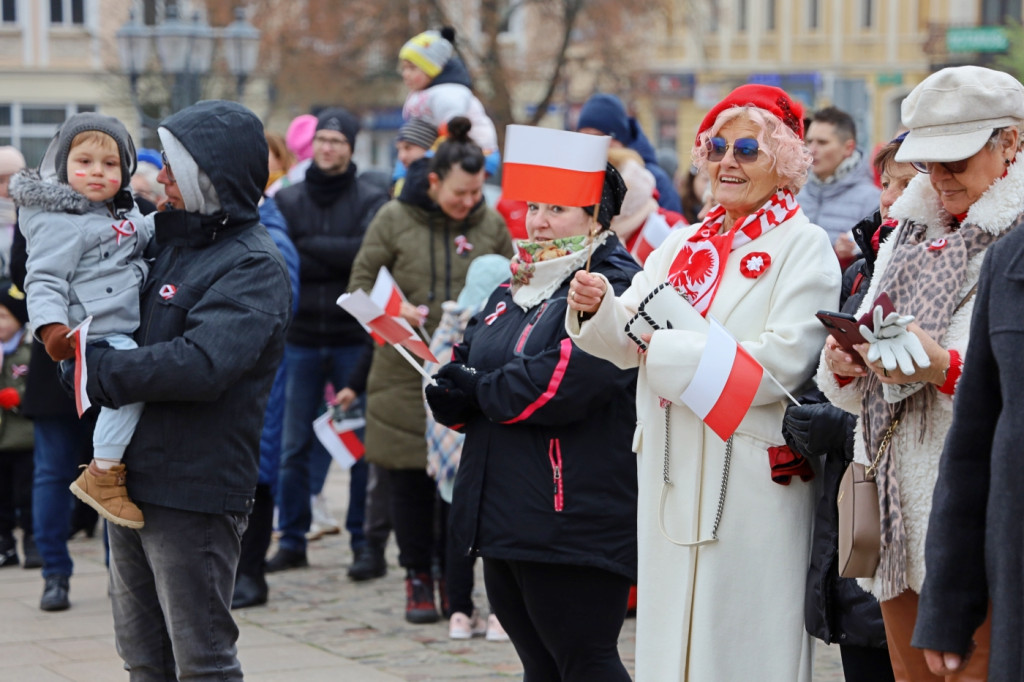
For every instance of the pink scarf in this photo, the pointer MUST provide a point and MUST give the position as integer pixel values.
(697, 269)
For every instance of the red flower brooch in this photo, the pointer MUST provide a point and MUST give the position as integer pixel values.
(754, 264)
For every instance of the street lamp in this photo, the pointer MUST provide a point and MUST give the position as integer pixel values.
(185, 51)
(241, 48)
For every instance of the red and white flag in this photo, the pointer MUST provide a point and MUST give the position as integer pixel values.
(724, 385)
(386, 293)
(80, 333)
(394, 330)
(553, 166)
(652, 234)
(340, 439)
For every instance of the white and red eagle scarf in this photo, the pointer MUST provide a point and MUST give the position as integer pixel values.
(697, 269)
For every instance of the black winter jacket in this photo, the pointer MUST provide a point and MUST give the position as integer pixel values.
(837, 610)
(547, 471)
(327, 239)
(214, 312)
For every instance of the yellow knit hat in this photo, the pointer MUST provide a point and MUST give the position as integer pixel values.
(429, 51)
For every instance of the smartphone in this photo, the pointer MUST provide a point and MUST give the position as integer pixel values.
(844, 329)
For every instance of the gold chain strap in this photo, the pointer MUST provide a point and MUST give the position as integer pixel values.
(870, 471)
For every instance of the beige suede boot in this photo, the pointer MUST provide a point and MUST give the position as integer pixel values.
(105, 492)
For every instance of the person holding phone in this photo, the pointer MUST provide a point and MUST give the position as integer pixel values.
(758, 266)
(969, 194)
(836, 609)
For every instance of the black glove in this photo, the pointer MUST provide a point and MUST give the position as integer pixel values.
(465, 378)
(449, 403)
(815, 429)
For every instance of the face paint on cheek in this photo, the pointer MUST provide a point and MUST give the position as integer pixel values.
(113, 181)
(80, 174)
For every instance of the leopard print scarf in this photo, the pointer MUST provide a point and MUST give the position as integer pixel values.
(924, 279)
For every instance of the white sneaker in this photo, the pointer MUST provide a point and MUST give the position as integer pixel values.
(461, 626)
(495, 633)
(323, 523)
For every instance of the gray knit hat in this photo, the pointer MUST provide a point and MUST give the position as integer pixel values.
(60, 146)
(418, 131)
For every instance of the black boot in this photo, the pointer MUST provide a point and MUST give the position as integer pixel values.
(286, 559)
(250, 590)
(8, 551)
(55, 594)
(32, 557)
(367, 563)
(419, 598)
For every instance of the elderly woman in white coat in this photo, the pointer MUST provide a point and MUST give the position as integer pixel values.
(723, 548)
(965, 137)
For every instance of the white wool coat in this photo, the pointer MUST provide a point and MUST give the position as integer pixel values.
(916, 449)
(733, 609)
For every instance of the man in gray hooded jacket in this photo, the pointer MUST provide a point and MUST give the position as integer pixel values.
(214, 312)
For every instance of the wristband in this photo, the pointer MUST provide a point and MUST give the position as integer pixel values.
(952, 373)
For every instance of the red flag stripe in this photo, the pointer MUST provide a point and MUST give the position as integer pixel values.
(352, 443)
(549, 185)
(737, 395)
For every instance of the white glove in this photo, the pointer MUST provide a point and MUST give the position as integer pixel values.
(893, 344)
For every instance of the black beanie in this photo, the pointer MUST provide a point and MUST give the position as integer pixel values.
(339, 120)
(12, 298)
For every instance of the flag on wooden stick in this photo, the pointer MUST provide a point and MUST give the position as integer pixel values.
(553, 166)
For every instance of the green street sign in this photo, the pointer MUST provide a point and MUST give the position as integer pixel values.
(977, 39)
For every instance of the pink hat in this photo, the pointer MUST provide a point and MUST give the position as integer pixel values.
(299, 137)
(11, 161)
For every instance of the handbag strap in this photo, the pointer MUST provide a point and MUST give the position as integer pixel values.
(883, 446)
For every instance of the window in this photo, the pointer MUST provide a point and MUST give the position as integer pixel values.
(8, 11)
(741, 15)
(29, 127)
(867, 10)
(996, 12)
(70, 12)
(769, 15)
(713, 16)
(813, 14)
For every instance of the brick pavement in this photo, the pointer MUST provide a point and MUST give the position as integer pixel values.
(317, 626)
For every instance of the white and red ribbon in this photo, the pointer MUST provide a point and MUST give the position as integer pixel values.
(498, 311)
(462, 245)
(126, 228)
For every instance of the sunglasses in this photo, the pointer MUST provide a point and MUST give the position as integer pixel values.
(167, 166)
(953, 167)
(744, 150)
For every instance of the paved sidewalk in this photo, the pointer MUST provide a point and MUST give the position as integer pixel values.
(318, 626)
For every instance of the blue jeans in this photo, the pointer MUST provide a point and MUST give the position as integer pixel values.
(61, 444)
(170, 587)
(304, 461)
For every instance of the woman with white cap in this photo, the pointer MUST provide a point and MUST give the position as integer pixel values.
(965, 138)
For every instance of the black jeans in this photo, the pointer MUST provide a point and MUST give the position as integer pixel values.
(866, 664)
(413, 515)
(16, 491)
(377, 520)
(256, 540)
(563, 620)
(171, 584)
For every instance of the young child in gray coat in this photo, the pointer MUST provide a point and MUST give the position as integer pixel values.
(85, 240)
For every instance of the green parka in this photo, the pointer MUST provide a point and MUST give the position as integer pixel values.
(420, 245)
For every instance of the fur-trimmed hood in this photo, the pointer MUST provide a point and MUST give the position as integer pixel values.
(995, 211)
(29, 190)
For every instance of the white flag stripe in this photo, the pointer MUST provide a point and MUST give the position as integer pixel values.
(555, 148)
(381, 291)
(360, 306)
(712, 371)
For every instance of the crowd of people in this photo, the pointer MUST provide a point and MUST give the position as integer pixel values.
(169, 323)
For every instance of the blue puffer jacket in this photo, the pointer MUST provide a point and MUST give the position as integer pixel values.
(273, 418)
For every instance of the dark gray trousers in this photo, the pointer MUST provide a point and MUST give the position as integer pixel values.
(171, 584)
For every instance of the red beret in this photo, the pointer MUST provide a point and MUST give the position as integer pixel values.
(766, 97)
